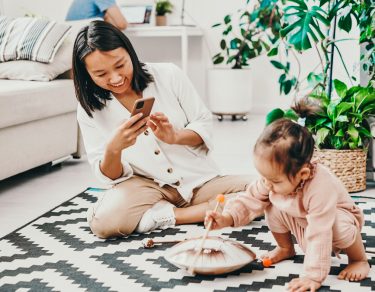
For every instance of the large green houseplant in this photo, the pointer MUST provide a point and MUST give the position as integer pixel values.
(248, 33)
(245, 34)
(340, 123)
(311, 26)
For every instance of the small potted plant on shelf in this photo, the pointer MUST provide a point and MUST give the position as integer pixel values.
(162, 7)
(244, 37)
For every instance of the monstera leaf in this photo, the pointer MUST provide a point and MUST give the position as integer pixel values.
(304, 24)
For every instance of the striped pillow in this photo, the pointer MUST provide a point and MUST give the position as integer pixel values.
(28, 38)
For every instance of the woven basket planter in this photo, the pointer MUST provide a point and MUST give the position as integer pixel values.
(348, 165)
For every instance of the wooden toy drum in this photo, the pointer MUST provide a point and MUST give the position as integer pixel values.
(219, 256)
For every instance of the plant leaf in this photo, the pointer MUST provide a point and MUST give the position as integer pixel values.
(343, 107)
(342, 119)
(314, 79)
(345, 23)
(278, 65)
(218, 60)
(274, 115)
(365, 99)
(340, 133)
(291, 114)
(320, 121)
(235, 43)
(331, 109)
(353, 133)
(223, 44)
(273, 52)
(340, 87)
(365, 132)
(300, 31)
(321, 135)
(287, 86)
(227, 19)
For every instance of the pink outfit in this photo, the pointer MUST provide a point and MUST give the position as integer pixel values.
(321, 216)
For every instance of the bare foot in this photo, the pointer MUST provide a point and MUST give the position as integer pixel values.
(355, 271)
(279, 254)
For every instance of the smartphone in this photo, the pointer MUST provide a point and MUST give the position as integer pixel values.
(143, 105)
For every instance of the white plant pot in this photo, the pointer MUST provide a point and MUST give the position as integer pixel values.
(229, 91)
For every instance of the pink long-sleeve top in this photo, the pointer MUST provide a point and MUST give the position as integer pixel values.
(314, 207)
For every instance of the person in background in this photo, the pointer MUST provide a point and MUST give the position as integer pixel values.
(106, 9)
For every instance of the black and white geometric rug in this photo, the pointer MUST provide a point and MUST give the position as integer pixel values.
(58, 252)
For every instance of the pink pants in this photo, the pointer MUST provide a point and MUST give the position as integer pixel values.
(344, 229)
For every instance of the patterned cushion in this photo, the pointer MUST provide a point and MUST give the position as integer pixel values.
(27, 38)
(36, 71)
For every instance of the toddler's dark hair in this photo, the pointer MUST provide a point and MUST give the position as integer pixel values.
(291, 145)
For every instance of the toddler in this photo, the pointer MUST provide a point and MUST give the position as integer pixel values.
(302, 198)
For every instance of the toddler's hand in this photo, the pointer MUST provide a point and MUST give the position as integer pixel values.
(218, 220)
(303, 284)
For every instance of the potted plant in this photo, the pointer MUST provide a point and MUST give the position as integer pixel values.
(340, 128)
(162, 7)
(245, 35)
(341, 131)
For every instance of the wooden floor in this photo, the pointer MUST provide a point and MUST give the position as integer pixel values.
(26, 196)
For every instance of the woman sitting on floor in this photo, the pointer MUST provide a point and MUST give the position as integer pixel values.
(158, 166)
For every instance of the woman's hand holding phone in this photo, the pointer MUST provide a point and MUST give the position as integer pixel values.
(126, 135)
(162, 128)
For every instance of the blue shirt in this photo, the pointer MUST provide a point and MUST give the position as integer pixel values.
(83, 9)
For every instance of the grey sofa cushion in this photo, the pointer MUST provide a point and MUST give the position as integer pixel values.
(25, 101)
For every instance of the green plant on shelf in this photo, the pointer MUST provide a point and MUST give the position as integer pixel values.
(163, 7)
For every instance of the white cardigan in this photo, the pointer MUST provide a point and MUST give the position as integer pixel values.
(182, 167)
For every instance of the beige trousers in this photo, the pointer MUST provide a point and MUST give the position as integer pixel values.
(121, 208)
(344, 230)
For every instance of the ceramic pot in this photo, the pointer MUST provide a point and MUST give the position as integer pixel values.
(161, 20)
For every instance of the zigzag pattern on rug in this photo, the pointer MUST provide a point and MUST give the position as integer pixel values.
(58, 252)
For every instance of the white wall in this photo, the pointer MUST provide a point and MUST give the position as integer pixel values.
(203, 13)
(53, 9)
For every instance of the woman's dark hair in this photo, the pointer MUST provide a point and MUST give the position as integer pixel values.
(103, 36)
(291, 145)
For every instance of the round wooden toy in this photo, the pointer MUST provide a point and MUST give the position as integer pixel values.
(218, 256)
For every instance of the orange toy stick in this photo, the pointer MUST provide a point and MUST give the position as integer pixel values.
(219, 199)
(266, 262)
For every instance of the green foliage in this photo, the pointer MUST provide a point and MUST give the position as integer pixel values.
(248, 33)
(302, 24)
(306, 25)
(163, 7)
(341, 122)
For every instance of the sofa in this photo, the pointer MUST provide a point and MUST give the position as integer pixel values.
(38, 124)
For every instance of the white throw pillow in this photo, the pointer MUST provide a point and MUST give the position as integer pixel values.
(29, 38)
(36, 71)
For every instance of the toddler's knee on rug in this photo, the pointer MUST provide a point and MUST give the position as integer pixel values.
(344, 234)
